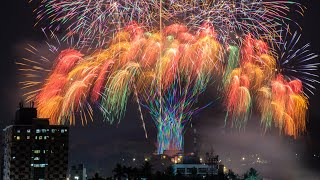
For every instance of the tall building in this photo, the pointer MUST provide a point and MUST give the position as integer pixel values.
(33, 149)
(78, 172)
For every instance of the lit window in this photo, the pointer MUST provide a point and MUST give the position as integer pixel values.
(65, 130)
(53, 130)
(44, 130)
(62, 130)
(36, 137)
(36, 158)
(38, 131)
(28, 131)
(18, 137)
(28, 137)
(18, 131)
(40, 137)
(36, 151)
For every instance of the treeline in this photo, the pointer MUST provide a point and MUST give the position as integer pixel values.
(145, 172)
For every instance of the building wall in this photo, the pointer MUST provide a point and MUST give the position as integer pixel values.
(35, 152)
(78, 172)
(202, 169)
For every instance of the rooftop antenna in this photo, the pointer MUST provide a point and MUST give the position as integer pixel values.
(21, 104)
(211, 151)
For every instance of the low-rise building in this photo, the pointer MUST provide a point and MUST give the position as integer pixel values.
(194, 165)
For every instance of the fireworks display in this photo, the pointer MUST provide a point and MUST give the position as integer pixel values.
(163, 55)
(91, 23)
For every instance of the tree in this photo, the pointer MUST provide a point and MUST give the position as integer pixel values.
(118, 172)
(135, 173)
(194, 173)
(158, 176)
(130, 173)
(146, 170)
(127, 171)
(251, 174)
(231, 175)
(169, 171)
(96, 177)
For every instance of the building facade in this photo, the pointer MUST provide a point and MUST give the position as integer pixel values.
(193, 165)
(33, 149)
(78, 172)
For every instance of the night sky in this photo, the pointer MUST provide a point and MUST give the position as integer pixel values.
(99, 145)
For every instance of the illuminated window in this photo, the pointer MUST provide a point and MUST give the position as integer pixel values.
(36, 137)
(189, 170)
(28, 137)
(38, 131)
(28, 131)
(18, 137)
(40, 137)
(36, 158)
(18, 131)
(44, 130)
(53, 130)
(62, 130)
(39, 165)
(36, 151)
(203, 170)
(181, 170)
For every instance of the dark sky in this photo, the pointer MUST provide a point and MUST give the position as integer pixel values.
(100, 145)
